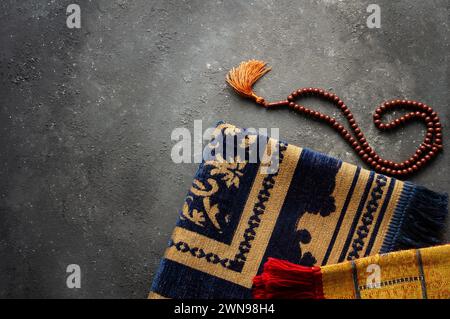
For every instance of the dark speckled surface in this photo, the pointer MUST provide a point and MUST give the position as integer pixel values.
(86, 115)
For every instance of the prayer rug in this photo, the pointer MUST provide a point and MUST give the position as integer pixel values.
(289, 203)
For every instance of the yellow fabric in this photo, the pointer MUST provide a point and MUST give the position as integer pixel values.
(411, 274)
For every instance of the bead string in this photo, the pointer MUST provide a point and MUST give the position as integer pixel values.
(431, 145)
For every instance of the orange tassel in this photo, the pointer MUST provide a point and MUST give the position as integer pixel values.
(245, 75)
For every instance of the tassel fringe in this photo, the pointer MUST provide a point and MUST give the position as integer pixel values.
(419, 220)
(284, 280)
(424, 221)
(242, 78)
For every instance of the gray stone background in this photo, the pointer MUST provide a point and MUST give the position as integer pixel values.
(86, 115)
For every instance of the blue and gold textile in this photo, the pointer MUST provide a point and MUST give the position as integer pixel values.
(311, 209)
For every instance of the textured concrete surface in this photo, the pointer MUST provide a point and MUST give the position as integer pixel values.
(86, 115)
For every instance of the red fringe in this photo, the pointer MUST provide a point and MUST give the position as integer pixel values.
(281, 279)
